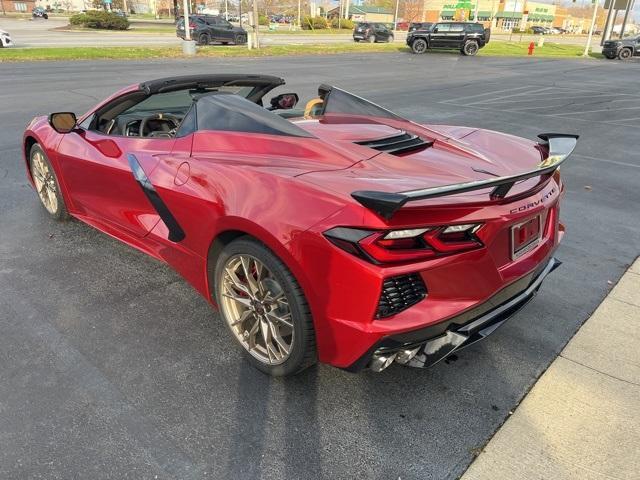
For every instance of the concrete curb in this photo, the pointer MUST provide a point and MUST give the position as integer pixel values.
(580, 420)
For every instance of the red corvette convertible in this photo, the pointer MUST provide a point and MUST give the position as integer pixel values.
(342, 233)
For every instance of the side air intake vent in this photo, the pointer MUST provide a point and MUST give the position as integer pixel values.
(400, 293)
(397, 144)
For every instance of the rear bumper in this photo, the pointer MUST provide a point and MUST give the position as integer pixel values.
(436, 342)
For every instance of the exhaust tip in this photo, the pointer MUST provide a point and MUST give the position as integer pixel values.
(404, 356)
(381, 361)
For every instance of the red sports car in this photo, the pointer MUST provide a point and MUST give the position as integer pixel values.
(342, 233)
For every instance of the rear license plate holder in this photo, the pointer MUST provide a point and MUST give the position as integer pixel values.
(525, 236)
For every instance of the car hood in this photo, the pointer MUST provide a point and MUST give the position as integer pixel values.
(451, 155)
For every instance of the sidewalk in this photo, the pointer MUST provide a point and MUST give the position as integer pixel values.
(581, 420)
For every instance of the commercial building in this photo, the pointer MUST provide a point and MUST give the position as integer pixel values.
(22, 6)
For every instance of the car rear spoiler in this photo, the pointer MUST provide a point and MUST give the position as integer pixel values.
(386, 204)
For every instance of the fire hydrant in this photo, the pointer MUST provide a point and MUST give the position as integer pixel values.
(531, 48)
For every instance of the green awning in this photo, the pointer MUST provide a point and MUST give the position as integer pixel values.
(509, 15)
(447, 13)
(540, 18)
(482, 14)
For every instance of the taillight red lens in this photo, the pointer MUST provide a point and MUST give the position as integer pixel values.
(402, 246)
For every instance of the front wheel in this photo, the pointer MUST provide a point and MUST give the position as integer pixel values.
(610, 57)
(419, 45)
(470, 48)
(204, 39)
(390, 39)
(46, 183)
(239, 39)
(625, 54)
(265, 308)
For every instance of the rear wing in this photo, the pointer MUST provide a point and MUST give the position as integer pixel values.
(386, 204)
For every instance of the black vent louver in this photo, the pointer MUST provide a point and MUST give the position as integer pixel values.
(397, 144)
(400, 293)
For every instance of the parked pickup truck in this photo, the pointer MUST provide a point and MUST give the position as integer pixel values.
(467, 37)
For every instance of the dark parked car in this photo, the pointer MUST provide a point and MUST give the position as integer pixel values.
(539, 30)
(372, 32)
(39, 12)
(420, 26)
(206, 29)
(624, 49)
(467, 37)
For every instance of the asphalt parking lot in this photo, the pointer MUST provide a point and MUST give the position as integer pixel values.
(112, 367)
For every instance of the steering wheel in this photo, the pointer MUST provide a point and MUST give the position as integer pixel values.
(157, 116)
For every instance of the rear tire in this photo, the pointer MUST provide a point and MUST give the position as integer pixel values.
(625, 54)
(390, 39)
(204, 39)
(371, 39)
(46, 183)
(244, 308)
(470, 48)
(419, 46)
(610, 57)
(239, 40)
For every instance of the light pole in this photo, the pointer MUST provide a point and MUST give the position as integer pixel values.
(256, 21)
(593, 22)
(395, 17)
(185, 12)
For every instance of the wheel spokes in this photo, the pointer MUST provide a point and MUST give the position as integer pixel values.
(257, 309)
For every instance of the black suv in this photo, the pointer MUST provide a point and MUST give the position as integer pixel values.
(467, 37)
(206, 29)
(372, 32)
(624, 49)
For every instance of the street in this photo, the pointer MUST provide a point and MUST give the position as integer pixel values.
(48, 33)
(113, 367)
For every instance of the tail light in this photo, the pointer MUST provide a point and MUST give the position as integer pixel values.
(408, 245)
(192, 25)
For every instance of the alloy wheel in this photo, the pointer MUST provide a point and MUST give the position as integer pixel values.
(45, 182)
(256, 308)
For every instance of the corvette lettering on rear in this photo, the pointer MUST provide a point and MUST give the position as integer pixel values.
(527, 206)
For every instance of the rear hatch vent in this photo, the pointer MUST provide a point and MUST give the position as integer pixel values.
(400, 293)
(397, 144)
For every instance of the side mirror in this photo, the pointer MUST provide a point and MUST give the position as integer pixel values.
(63, 122)
(284, 101)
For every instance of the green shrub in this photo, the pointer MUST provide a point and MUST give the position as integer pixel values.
(100, 20)
(313, 23)
(263, 20)
(344, 23)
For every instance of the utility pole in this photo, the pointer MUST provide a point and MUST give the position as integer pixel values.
(593, 24)
(475, 13)
(185, 12)
(395, 17)
(256, 21)
(513, 17)
(346, 9)
(299, 14)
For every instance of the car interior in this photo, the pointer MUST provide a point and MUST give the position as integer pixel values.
(160, 115)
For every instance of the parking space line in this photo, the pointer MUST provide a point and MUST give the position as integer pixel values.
(486, 93)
